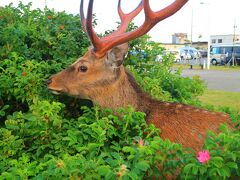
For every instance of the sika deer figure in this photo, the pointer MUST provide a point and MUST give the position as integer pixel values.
(100, 76)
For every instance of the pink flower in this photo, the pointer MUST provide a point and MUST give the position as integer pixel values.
(203, 156)
(141, 142)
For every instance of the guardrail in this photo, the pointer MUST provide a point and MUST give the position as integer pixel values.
(195, 62)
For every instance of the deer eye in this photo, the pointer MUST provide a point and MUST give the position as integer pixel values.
(83, 68)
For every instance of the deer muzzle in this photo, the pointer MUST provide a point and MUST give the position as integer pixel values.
(52, 86)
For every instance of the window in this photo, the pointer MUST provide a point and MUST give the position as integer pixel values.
(228, 50)
(216, 50)
(237, 53)
(222, 50)
(237, 49)
(219, 40)
(213, 41)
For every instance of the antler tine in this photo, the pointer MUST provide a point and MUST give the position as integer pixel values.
(163, 13)
(120, 12)
(83, 19)
(91, 33)
(87, 23)
(130, 15)
(125, 18)
(147, 10)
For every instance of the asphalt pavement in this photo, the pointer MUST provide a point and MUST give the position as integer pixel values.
(216, 79)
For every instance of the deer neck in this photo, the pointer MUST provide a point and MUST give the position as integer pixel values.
(120, 93)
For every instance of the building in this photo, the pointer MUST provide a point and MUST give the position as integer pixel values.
(171, 46)
(203, 45)
(198, 45)
(179, 38)
(225, 39)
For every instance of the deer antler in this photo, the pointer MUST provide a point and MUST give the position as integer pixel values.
(101, 46)
(125, 18)
(82, 17)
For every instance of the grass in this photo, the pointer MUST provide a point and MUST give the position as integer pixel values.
(218, 98)
(222, 99)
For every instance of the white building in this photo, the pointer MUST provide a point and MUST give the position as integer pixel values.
(225, 39)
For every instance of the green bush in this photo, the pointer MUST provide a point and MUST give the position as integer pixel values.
(34, 44)
(224, 160)
(40, 35)
(47, 137)
(43, 144)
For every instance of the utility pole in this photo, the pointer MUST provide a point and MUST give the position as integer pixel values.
(192, 28)
(234, 39)
(209, 34)
(45, 3)
(234, 31)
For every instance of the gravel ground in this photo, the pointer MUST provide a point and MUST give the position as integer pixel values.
(217, 80)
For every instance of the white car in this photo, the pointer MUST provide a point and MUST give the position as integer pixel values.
(176, 53)
(188, 53)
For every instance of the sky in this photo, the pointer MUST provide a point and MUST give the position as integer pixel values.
(199, 18)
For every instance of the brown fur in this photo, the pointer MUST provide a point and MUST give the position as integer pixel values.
(108, 84)
(178, 122)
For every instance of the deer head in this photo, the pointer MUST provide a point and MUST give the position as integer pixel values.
(89, 73)
(100, 70)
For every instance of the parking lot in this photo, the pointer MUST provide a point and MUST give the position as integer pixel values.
(217, 79)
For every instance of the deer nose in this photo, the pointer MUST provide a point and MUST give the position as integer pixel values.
(49, 81)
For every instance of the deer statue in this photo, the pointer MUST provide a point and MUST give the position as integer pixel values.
(100, 76)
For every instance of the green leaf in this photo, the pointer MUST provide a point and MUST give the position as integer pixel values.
(225, 171)
(217, 158)
(232, 165)
(132, 175)
(188, 167)
(202, 169)
(143, 165)
(213, 172)
(93, 146)
(128, 149)
(217, 161)
(195, 170)
(103, 170)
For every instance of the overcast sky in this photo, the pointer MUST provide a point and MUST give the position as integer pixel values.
(216, 17)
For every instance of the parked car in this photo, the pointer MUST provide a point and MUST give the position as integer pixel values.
(176, 53)
(188, 53)
(203, 53)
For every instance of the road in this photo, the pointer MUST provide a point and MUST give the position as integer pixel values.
(216, 79)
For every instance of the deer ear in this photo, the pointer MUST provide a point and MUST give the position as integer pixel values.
(115, 56)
